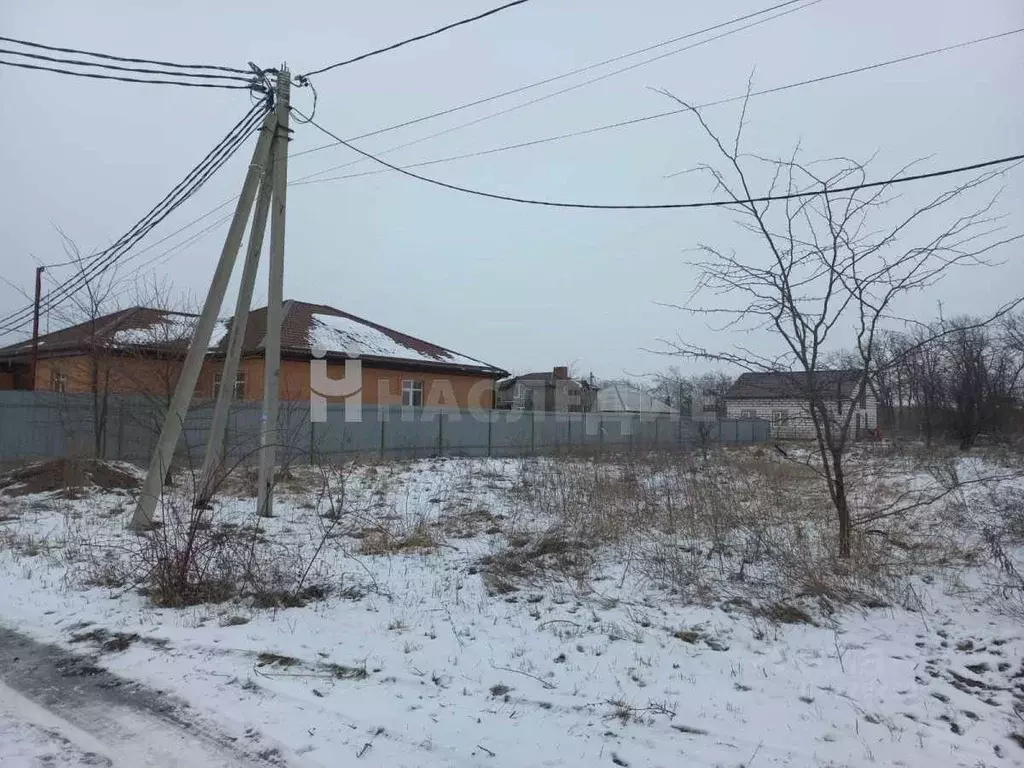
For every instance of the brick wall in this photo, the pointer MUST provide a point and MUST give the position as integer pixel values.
(384, 387)
(156, 377)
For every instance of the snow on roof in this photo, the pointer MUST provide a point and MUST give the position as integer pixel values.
(169, 329)
(333, 333)
(622, 399)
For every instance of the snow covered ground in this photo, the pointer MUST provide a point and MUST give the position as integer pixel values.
(451, 637)
(27, 743)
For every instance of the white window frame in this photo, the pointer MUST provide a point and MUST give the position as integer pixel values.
(748, 414)
(239, 391)
(412, 393)
(780, 418)
(58, 380)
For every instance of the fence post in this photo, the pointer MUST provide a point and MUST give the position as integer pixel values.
(382, 437)
(440, 432)
(120, 429)
(533, 432)
(312, 439)
(600, 433)
(490, 426)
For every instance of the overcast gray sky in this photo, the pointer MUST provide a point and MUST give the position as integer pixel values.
(520, 287)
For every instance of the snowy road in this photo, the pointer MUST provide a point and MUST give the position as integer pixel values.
(58, 710)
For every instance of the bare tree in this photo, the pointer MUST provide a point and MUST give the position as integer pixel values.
(680, 390)
(982, 376)
(95, 299)
(825, 269)
(158, 350)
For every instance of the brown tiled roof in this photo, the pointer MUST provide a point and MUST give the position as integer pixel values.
(793, 384)
(137, 327)
(302, 325)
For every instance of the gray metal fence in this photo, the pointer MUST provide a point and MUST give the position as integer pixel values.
(45, 424)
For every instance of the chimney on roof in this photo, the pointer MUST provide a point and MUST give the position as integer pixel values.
(561, 372)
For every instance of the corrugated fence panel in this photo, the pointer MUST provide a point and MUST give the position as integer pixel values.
(46, 424)
(466, 434)
(512, 433)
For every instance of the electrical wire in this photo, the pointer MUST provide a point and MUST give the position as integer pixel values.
(162, 257)
(120, 68)
(110, 57)
(415, 39)
(583, 132)
(183, 191)
(121, 78)
(609, 126)
(546, 96)
(94, 269)
(579, 70)
(311, 178)
(309, 84)
(675, 206)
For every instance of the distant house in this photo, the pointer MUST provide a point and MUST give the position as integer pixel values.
(782, 398)
(545, 391)
(139, 350)
(622, 398)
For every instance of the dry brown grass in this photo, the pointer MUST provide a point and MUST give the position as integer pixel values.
(746, 526)
(71, 477)
(389, 537)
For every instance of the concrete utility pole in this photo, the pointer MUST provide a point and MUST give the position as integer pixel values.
(35, 324)
(164, 452)
(272, 343)
(233, 352)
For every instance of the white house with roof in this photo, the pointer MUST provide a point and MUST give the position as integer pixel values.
(782, 397)
(622, 398)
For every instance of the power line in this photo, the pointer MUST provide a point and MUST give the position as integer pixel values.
(415, 39)
(609, 126)
(547, 96)
(311, 178)
(666, 206)
(191, 239)
(183, 191)
(120, 68)
(102, 262)
(110, 57)
(572, 134)
(577, 71)
(123, 79)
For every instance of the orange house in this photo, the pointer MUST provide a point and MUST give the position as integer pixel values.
(139, 351)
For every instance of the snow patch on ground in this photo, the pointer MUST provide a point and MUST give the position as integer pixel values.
(412, 663)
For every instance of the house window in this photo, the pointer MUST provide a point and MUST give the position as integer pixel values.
(58, 381)
(748, 414)
(239, 393)
(779, 418)
(519, 396)
(412, 393)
